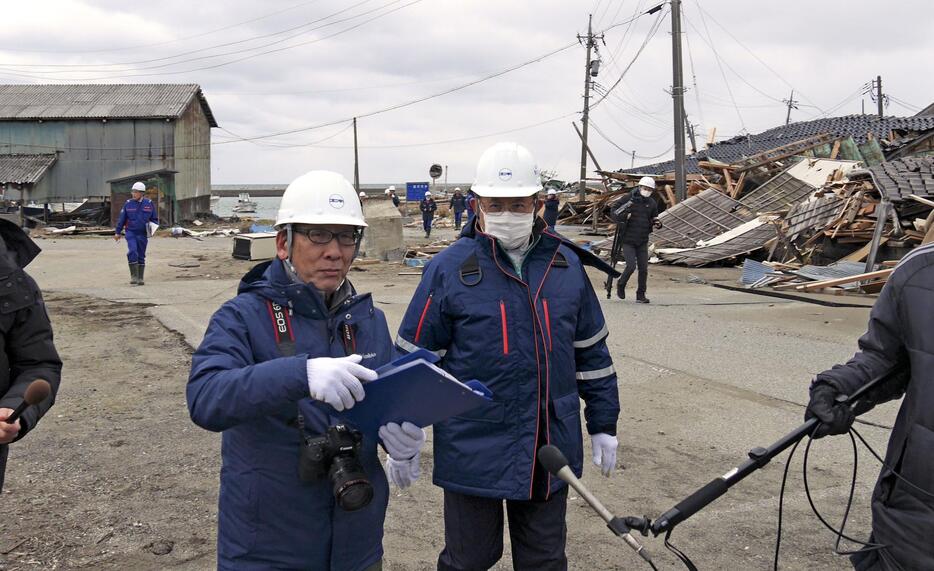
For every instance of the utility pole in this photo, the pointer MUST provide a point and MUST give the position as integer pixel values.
(677, 95)
(791, 103)
(879, 94)
(590, 70)
(356, 160)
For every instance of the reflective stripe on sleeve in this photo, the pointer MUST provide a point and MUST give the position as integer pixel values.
(598, 374)
(411, 347)
(600, 336)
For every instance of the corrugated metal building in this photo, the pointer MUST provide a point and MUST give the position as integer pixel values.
(105, 137)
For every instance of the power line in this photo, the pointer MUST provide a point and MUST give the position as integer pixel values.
(345, 30)
(342, 120)
(152, 45)
(207, 48)
(610, 141)
(753, 54)
(719, 65)
(648, 37)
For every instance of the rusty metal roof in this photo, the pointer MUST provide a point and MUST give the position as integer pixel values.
(121, 101)
(24, 169)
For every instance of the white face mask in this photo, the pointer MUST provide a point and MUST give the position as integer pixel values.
(645, 193)
(511, 229)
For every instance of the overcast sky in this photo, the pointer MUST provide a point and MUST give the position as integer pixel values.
(335, 59)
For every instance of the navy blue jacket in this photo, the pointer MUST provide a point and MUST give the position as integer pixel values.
(538, 341)
(551, 211)
(899, 343)
(135, 214)
(458, 203)
(428, 207)
(241, 384)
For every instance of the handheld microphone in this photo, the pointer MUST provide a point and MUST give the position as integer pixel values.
(554, 461)
(36, 392)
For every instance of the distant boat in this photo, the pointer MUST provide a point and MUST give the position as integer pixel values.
(244, 204)
(214, 200)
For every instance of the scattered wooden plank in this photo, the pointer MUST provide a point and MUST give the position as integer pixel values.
(847, 280)
(836, 149)
(860, 255)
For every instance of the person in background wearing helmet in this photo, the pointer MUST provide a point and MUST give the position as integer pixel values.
(276, 362)
(638, 211)
(510, 304)
(428, 208)
(134, 219)
(551, 209)
(458, 206)
(470, 198)
(391, 194)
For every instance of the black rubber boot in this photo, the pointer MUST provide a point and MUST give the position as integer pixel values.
(642, 299)
(620, 290)
(141, 268)
(134, 274)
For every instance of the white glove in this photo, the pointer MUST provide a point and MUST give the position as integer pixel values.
(604, 452)
(403, 473)
(338, 381)
(402, 442)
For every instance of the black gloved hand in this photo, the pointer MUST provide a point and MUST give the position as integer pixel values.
(835, 418)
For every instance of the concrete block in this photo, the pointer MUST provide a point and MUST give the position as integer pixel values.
(383, 237)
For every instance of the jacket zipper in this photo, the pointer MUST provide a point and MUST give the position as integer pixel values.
(502, 313)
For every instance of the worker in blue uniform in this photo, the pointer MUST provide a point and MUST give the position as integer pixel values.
(276, 365)
(550, 212)
(134, 220)
(510, 304)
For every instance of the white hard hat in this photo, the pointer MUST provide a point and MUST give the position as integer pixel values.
(138, 186)
(362, 194)
(457, 189)
(320, 197)
(392, 188)
(552, 192)
(647, 181)
(427, 193)
(506, 169)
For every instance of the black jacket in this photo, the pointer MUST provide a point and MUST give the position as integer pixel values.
(551, 211)
(638, 218)
(428, 207)
(25, 332)
(899, 342)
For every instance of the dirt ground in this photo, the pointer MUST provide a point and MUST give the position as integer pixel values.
(117, 477)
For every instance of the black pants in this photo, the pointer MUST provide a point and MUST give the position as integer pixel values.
(473, 533)
(636, 256)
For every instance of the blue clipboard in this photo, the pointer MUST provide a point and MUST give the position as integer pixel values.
(412, 389)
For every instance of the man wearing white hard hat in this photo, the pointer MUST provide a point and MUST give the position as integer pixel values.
(428, 207)
(135, 219)
(509, 304)
(636, 214)
(277, 364)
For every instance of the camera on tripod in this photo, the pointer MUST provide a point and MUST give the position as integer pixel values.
(335, 455)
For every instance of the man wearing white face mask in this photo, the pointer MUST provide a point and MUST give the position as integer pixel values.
(636, 214)
(510, 304)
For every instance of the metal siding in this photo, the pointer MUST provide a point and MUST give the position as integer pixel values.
(193, 157)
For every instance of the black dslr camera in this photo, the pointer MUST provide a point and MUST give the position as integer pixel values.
(335, 455)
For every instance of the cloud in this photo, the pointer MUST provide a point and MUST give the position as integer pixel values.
(826, 51)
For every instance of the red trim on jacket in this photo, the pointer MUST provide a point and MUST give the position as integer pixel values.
(421, 320)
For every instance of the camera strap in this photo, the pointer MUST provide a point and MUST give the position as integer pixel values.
(282, 327)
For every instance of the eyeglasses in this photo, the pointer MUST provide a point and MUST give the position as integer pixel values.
(517, 207)
(322, 237)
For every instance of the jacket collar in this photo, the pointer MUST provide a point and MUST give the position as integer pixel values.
(271, 281)
(547, 239)
(18, 243)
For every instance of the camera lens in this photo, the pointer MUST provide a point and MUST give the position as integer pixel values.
(352, 489)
